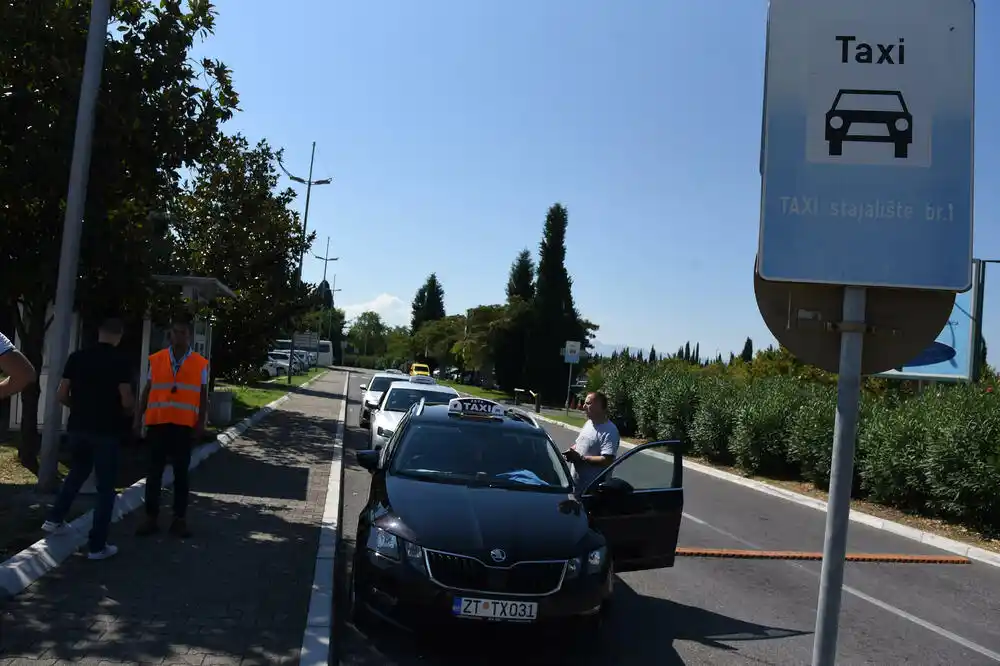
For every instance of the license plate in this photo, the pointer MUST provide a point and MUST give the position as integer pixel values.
(495, 609)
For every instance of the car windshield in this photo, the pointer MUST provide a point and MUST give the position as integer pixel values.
(868, 102)
(483, 453)
(400, 398)
(380, 384)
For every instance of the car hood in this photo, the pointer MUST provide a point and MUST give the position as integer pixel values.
(388, 419)
(474, 520)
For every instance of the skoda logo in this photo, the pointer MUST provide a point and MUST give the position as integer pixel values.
(498, 555)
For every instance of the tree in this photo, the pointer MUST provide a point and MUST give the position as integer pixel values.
(398, 346)
(554, 316)
(652, 354)
(232, 223)
(747, 354)
(482, 326)
(521, 281)
(428, 304)
(368, 333)
(435, 339)
(324, 294)
(158, 111)
(511, 347)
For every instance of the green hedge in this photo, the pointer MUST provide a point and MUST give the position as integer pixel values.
(936, 453)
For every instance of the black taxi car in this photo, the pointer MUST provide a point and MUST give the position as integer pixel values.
(472, 515)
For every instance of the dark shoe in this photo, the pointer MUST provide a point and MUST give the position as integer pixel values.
(179, 528)
(148, 527)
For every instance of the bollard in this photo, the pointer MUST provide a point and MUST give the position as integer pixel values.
(538, 402)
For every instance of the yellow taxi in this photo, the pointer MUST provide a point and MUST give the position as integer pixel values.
(420, 369)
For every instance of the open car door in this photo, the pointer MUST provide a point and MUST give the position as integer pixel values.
(637, 504)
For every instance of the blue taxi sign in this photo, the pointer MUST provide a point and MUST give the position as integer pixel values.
(475, 407)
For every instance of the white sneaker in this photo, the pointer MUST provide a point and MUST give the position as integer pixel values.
(51, 527)
(103, 554)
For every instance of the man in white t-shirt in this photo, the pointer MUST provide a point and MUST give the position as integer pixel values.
(20, 373)
(597, 444)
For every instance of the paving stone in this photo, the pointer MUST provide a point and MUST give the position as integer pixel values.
(237, 592)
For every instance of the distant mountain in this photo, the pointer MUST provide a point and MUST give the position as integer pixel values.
(605, 349)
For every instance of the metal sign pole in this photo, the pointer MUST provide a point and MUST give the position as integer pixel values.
(841, 475)
(569, 386)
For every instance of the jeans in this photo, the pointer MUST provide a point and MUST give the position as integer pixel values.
(175, 442)
(97, 453)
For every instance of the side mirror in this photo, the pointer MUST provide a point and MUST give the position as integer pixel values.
(363, 387)
(614, 486)
(368, 459)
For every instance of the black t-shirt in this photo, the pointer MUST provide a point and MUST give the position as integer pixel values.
(94, 375)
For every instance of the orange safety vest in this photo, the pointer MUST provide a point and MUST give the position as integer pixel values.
(174, 399)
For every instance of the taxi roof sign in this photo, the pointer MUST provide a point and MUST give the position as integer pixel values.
(422, 379)
(475, 407)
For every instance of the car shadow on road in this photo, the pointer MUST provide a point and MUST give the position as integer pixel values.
(640, 630)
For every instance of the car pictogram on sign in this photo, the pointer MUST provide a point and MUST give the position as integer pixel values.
(875, 116)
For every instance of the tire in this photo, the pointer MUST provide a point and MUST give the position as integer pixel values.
(357, 613)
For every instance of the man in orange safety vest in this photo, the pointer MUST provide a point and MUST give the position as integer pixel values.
(175, 404)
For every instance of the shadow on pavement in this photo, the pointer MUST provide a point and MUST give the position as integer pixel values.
(239, 589)
(640, 630)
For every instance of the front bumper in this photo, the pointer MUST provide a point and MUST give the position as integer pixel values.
(404, 595)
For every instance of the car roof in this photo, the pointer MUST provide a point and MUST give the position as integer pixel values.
(440, 388)
(386, 374)
(487, 411)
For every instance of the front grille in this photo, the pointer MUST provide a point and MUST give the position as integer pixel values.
(467, 573)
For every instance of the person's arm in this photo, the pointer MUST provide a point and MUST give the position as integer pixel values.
(203, 407)
(64, 393)
(19, 370)
(125, 386)
(143, 401)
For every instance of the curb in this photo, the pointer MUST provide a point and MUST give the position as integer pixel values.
(317, 639)
(928, 538)
(27, 566)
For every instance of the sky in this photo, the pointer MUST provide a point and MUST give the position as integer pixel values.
(450, 126)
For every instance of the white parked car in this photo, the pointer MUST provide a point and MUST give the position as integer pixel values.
(272, 368)
(398, 398)
(373, 391)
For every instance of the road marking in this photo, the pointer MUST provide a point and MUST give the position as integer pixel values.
(898, 612)
(893, 558)
(318, 634)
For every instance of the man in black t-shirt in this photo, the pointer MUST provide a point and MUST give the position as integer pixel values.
(97, 387)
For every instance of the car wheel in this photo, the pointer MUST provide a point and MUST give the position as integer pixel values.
(357, 611)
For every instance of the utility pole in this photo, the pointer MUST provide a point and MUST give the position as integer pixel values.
(69, 254)
(309, 182)
(326, 259)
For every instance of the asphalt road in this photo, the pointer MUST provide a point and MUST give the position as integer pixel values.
(717, 611)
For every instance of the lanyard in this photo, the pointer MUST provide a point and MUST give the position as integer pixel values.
(175, 366)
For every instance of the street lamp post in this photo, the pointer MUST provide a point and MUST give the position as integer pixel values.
(977, 322)
(326, 262)
(69, 255)
(309, 182)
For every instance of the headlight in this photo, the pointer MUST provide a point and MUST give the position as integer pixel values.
(382, 432)
(384, 543)
(390, 546)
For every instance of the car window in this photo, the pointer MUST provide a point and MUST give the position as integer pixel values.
(400, 398)
(480, 453)
(380, 384)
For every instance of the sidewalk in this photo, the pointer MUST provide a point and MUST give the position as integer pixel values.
(236, 593)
